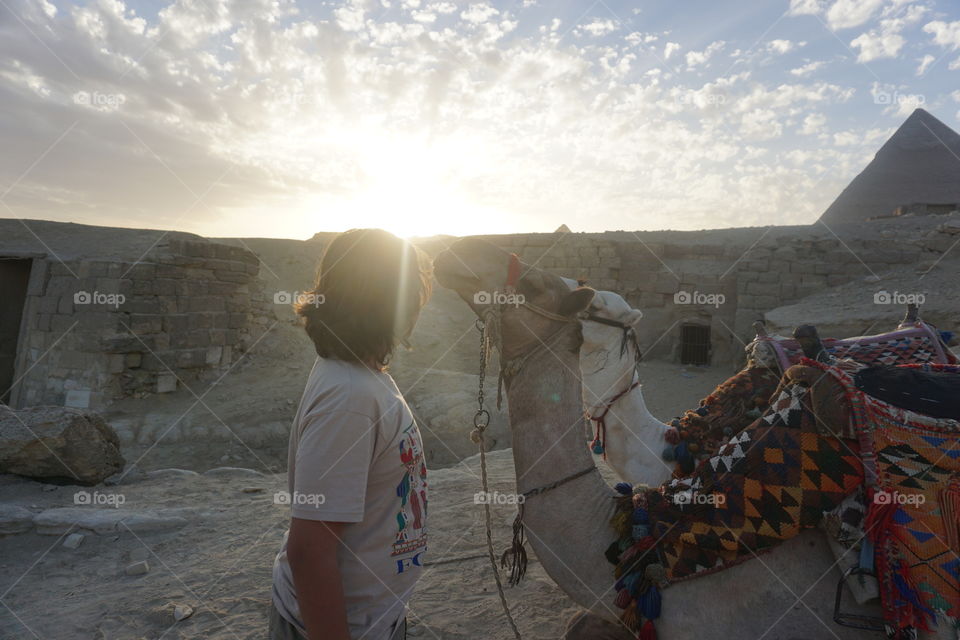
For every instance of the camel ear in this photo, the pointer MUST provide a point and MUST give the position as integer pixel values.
(634, 318)
(576, 301)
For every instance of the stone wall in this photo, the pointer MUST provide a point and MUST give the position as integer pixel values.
(97, 329)
(725, 279)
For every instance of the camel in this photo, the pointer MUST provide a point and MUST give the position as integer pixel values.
(635, 438)
(785, 593)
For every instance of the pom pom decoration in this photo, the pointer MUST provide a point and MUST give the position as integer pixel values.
(623, 488)
(671, 436)
(669, 453)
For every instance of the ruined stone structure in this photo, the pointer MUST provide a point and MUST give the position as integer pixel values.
(92, 314)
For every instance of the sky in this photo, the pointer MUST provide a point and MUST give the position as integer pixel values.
(274, 118)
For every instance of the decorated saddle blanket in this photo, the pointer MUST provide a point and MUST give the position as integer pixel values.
(737, 402)
(906, 522)
(918, 342)
(766, 484)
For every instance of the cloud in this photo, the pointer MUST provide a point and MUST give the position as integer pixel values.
(846, 14)
(813, 123)
(598, 27)
(945, 34)
(696, 58)
(479, 13)
(783, 46)
(878, 44)
(805, 7)
(807, 69)
(925, 63)
(670, 49)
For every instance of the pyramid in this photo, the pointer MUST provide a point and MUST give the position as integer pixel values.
(920, 163)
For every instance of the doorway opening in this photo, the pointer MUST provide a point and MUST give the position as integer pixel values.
(14, 277)
(694, 344)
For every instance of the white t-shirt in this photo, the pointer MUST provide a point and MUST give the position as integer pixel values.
(356, 456)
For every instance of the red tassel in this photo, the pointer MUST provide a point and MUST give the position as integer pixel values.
(648, 632)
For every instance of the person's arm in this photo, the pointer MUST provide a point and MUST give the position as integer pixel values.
(312, 554)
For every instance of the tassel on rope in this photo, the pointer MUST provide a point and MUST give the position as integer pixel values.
(516, 556)
(648, 632)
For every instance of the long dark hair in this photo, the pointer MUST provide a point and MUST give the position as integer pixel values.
(369, 291)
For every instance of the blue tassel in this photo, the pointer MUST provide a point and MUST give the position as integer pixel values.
(632, 583)
(702, 411)
(866, 554)
(946, 336)
(640, 516)
(597, 447)
(623, 488)
(640, 531)
(669, 453)
(648, 604)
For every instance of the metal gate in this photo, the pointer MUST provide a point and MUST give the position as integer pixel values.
(694, 344)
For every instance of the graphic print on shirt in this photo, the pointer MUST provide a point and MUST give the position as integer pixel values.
(412, 491)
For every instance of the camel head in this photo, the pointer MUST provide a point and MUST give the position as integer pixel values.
(607, 357)
(482, 274)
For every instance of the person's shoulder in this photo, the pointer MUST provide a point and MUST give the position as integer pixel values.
(336, 385)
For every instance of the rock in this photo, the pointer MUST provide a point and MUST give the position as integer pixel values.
(182, 611)
(104, 521)
(252, 489)
(872, 278)
(56, 442)
(231, 472)
(172, 473)
(74, 540)
(15, 519)
(127, 476)
(137, 568)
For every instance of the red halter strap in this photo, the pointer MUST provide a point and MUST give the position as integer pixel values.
(599, 444)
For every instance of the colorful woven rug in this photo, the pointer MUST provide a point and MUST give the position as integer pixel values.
(915, 343)
(762, 487)
(912, 510)
(740, 400)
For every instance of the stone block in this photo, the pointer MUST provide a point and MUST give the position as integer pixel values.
(166, 383)
(214, 355)
(132, 360)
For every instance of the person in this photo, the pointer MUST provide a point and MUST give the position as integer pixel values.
(357, 480)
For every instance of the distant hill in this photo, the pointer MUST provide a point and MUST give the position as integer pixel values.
(920, 163)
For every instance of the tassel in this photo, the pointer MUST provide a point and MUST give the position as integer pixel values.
(623, 488)
(630, 619)
(612, 554)
(649, 604)
(648, 632)
(623, 599)
(949, 499)
(640, 516)
(517, 553)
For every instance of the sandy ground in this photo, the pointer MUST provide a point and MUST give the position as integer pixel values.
(220, 563)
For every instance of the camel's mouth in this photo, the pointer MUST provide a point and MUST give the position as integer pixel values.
(452, 273)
